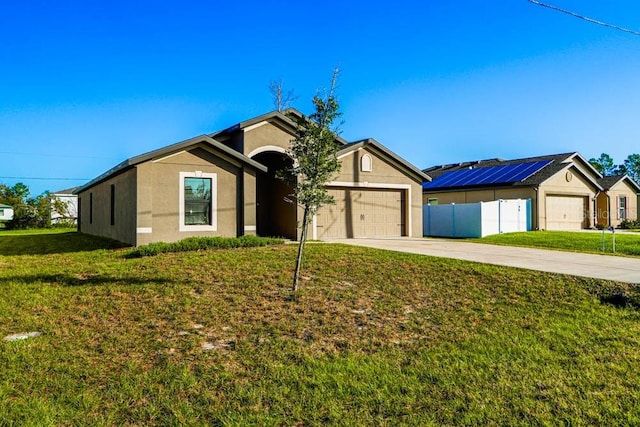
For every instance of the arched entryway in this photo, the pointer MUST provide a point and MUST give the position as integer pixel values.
(276, 208)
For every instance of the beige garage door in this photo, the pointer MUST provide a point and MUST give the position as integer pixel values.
(566, 212)
(362, 213)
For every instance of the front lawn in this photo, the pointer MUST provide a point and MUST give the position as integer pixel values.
(375, 338)
(51, 241)
(627, 244)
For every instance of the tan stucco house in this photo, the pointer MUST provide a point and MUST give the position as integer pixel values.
(563, 188)
(617, 201)
(225, 184)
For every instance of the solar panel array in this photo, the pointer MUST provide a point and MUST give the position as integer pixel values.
(503, 174)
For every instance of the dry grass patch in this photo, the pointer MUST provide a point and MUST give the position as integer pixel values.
(375, 337)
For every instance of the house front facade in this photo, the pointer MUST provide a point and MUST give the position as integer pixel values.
(227, 184)
(618, 200)
(563, 188)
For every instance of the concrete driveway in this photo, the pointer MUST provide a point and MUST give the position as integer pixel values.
(621, 269)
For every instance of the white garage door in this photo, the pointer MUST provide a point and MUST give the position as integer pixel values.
(362, 213)
(566, 212)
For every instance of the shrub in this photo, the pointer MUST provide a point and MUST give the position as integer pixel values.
(203, 243)
(630, 223)
(64, 223)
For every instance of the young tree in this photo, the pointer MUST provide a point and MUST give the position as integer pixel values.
(315, 161)
(281, 99)
(65, 212)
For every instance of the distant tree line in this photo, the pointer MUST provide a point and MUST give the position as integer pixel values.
(29, 212)
(607, 167)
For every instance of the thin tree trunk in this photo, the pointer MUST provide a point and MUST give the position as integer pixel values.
(303, 239)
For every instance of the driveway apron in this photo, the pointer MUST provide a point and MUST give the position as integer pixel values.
(620, 269)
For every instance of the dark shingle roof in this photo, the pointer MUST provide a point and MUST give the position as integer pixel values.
(68, 191)
(607, 182)
(557, 162)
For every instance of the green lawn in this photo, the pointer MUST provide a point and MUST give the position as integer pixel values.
(50, 241)
(627, 244)
(375, 338)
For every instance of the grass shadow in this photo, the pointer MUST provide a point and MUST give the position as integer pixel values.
(621, 300)
(616, 294)
(54, 243)
(84, 280)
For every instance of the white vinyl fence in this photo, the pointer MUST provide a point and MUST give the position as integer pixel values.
(476, 219)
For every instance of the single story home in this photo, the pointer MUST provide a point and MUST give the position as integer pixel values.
(6, 212)
(70, 201)
(617, 201)
(225, 184)
(563, 188)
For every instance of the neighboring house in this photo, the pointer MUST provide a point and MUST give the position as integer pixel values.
(562, 187)
(618, 200)
(6, 213)
(70, 201)
(225, 184)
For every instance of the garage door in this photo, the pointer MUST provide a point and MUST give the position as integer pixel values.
(362, 213)
(566, 212)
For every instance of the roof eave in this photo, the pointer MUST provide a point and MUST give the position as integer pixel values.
(629, 179)
(162, 152)
(280, 115)
(568, 165)
(370, 141)
(587, 163)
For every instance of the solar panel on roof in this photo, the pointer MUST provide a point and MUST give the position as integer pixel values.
(503, 174)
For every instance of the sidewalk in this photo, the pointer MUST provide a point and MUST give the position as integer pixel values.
(621, 269)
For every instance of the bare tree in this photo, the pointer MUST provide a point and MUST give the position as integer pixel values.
(281, 99)
(315, 162)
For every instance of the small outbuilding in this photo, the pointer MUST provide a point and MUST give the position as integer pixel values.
(6, 213)
(68, 211)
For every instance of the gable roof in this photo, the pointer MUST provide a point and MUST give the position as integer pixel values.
(5, 206)
(65, 192)
(353, 146)
(608, 182)
(287, 118)
(543, 168)
(170, 149)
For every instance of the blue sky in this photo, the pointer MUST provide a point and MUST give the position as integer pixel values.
(87, 84)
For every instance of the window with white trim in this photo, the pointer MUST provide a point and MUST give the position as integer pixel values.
(622, 207)
(198, 204)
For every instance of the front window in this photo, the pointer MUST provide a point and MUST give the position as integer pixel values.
(623, 208)
(198, 201)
